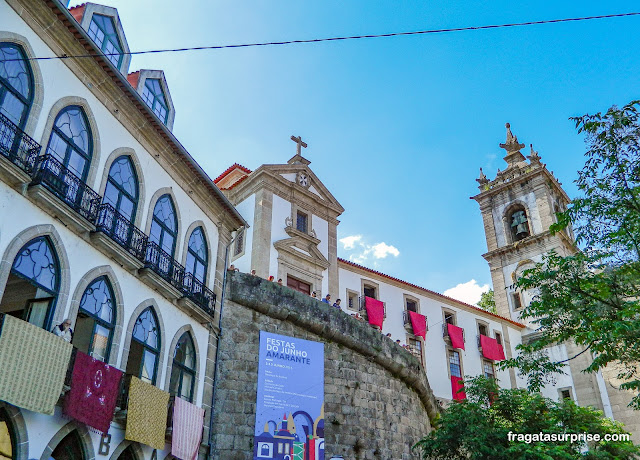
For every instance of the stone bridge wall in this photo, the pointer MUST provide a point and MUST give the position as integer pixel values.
(378, 402)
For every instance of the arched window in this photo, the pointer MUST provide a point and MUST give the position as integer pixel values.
(71, 142)
(121, 191)
(102, 31)
(8, 445)
(96, 320)
(33, 284)
(70, 448)
(154, 97)
(16, 84)
(197, 258)
(518, 224)
(183, 370)
(164, 225)
(145, 347)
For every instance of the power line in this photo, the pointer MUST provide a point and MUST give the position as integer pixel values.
(330, 39)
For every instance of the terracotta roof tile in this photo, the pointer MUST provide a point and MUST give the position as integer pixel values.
(77, 12)
(235, 183)
(415, 286)
(133, 78)
(229, 169)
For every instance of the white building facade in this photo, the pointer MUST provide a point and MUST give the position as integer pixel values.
(105, 220)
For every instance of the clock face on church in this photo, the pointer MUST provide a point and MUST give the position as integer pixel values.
(303, 179)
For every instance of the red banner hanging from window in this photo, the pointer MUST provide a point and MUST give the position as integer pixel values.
(491, 349)
(419, 324)
(375, 311)
(456, 334)
(456, 385)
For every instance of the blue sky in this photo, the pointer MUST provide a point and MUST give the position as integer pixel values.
(398, 127)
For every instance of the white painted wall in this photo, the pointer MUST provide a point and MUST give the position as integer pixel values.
(434, 346)
(247, 209)
(60, 81)
(281, 211)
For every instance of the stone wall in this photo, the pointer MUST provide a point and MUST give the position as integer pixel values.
(378, 402)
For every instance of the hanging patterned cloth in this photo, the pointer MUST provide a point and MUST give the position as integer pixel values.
(33, 365)
(186, 434)
(94, 392)
(147, 414)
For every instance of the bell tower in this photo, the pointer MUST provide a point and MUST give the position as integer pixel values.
(518, 206)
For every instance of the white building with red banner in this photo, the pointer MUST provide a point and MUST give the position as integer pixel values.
(110, 229)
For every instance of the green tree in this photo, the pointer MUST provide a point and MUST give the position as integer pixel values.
(487, 302)
(478, 428)
(591, 297)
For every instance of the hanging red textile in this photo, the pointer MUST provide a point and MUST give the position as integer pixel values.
(419, 324)
(456, 384)
(375, 311)
(456, 334)
(491, 349)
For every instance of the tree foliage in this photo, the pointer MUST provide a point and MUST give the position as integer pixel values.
(487, 301)
(475, 429)
(592, 297)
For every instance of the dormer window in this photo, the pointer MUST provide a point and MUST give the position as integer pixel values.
(519, 224)
(102, 31)
(154, 97)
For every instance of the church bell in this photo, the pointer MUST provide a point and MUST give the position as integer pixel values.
(519, 221)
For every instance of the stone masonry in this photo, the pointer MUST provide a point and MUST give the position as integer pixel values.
(378, 402)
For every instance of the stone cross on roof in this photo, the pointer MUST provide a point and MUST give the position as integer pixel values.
(298, 140)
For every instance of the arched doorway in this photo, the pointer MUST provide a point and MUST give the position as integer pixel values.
(70, 448)
(8, 444)
(128, 454)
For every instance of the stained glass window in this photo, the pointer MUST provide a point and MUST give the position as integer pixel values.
(16, 84)
(154, 97)
(71, 142)
(102, 31)
(121, 191)
(145, 347)
(197, 255)
(37, 262)
(183, 371)
(96, 320)
(164, 225)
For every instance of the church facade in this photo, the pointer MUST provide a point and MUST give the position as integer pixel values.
(113, 234)
(517, 207)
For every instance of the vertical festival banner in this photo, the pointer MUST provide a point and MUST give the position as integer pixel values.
(290, 399)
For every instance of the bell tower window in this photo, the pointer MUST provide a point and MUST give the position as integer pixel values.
(519, 224)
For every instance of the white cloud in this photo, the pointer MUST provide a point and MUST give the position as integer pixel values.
(349, 242)
(363, 251)
(468, 292)
(382, 250)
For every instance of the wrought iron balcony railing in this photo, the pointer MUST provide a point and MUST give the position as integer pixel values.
(163, 264)
(68, 187)
(16, 146)
(119, 229)
(199, 293)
